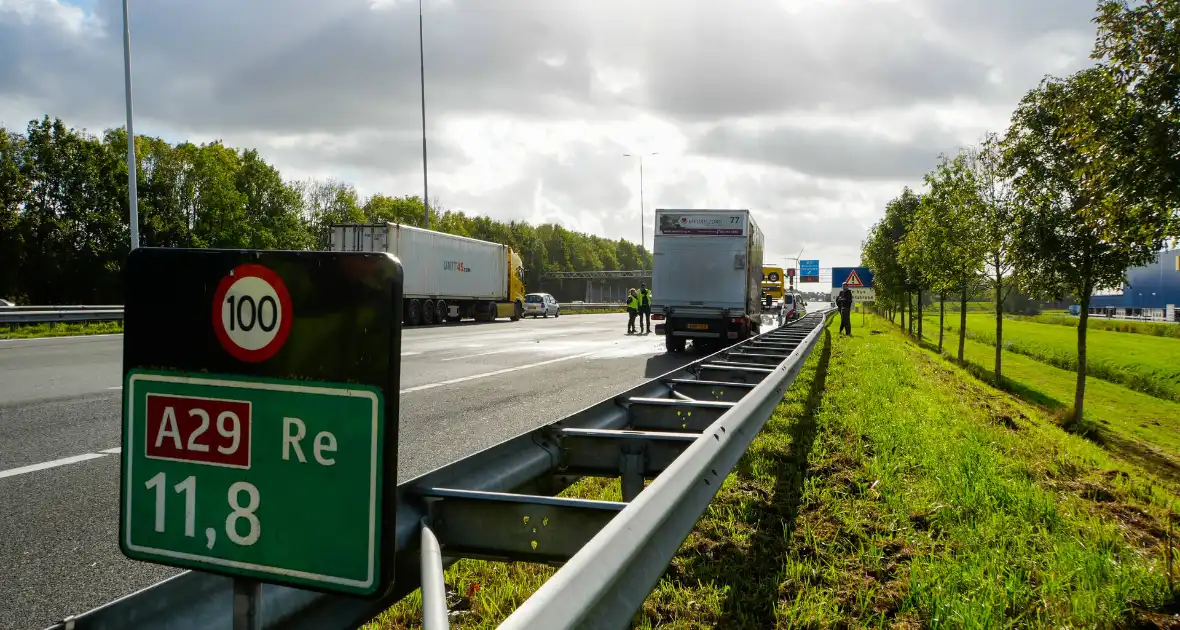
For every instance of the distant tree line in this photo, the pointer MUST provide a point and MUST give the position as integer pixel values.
(1083, 185)
(64, 228)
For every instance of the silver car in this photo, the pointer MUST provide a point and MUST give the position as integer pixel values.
(541, 304)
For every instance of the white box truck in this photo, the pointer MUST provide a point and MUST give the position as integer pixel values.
(706, 277)
(447, 277)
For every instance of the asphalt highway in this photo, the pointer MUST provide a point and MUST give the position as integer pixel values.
(464, 387)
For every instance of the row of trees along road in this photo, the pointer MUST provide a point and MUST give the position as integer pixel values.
(1083, 185)
(64, 229)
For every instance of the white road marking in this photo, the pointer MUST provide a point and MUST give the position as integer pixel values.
(464, 379)
(116, 387)
(478, 354)
(112, 451)
(12, 472)
(410, 354)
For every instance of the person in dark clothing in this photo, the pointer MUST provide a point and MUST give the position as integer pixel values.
(844, 303)
(644, 307)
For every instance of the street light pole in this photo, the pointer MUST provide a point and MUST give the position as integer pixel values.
(132, 178)
(422, 80)
(642, 228)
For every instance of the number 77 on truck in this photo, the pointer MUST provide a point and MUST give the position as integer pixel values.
(448, 278)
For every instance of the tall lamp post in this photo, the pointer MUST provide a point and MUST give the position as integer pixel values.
(642, 234)
(422, 80)
(132, 179)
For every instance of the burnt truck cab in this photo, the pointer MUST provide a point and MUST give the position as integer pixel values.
(706, 277)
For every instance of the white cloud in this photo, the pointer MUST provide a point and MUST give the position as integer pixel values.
(812, 114)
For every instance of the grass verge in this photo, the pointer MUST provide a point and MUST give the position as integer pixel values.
(1141, 428)
(1156, 329)
(1142, 363)
(29, 331)
(891, 489)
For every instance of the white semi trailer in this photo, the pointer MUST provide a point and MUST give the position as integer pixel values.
(706, 277)
(447, 277)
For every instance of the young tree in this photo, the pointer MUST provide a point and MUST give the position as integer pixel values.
(994, 217)
(891, 279)
(1076, 230)
(1140, 45)
(945, 238)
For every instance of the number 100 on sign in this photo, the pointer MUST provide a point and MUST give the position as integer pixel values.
(268, 479)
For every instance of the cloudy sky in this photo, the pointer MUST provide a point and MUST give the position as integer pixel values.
(812, 113)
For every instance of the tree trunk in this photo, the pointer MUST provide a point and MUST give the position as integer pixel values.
(909, 300)
(999, 288)
(962, 322)
(919, 314)
(905, 298)
(1079, 396)
(941, 319)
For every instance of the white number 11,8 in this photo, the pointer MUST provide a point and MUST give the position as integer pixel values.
(238, 511)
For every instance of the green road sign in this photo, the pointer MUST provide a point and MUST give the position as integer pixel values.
(260, 415)
(254, 476)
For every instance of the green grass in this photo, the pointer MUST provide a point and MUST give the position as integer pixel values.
(29, 331)
(1156, 329)
(1146, 364)
(892, 489)
(1141, 428)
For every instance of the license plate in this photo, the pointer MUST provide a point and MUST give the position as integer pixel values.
(698, 327)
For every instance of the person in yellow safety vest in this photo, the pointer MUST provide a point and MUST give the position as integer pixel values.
(632, 310)
(644, 306)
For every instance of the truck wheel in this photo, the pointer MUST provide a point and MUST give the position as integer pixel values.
(517, 311)
(428, 312)
(674, 344)
(414, 313)
(440, 308)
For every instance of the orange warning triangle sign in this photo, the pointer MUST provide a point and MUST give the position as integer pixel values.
(854, 280)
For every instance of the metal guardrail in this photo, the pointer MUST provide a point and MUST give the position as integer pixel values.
(591, 306)
(685, 429)
(54, 314)
(596, 275)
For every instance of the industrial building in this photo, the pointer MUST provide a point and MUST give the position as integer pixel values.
(1152, 286)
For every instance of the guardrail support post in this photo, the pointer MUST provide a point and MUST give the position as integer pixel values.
(434, 586)
(247, 604)
(631, 473)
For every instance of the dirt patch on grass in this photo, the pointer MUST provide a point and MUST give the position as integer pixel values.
(1166, 619)
(1142, 529)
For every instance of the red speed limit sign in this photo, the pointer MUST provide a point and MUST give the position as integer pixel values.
(252, 313)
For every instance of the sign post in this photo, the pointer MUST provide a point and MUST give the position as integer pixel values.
(260, 417)
(859, 279)
(808, 271)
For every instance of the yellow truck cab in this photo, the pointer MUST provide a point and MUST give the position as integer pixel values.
(514, 307)
(774, 284)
